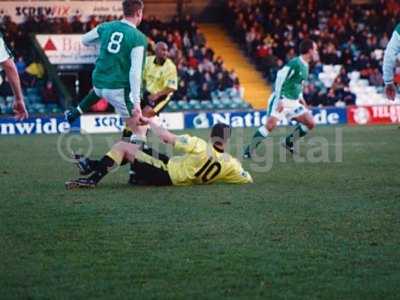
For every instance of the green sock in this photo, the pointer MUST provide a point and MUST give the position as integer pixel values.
(87, 102)
(299, 132)
(258, 137)
(83, 106)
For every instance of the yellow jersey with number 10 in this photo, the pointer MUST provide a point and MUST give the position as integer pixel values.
(203, 164)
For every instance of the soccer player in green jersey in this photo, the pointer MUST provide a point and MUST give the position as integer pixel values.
(287, 99)
(389, 62)
(117, 76)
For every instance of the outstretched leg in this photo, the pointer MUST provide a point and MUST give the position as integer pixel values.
(120, 153)
(306, 123)
(261, 134)
(83, 107)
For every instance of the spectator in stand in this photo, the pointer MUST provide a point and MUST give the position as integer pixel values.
(181, 93)
(312, 95)
(198, 38)
(366, 70)
(36, 69)
(5, 89)
(346, 34)
(204, 94)
(28, 81)
(76, 25)
(49, 94)
(91, 23)
(20, 64)
(340, 92)
(343, 78)
(195, 61)
(192, 61)
(376, 78)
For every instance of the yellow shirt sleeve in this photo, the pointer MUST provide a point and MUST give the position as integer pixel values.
(190, 144)
(238, 175)
(171, 77)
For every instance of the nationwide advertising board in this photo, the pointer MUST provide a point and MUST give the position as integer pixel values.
(42, 125)
(240, 119)
(373, 115)
(21, 10)
(112, 123)
(67, 49)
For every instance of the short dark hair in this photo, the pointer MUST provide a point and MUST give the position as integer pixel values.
(220, 133)
(130, 7)
(306, 45)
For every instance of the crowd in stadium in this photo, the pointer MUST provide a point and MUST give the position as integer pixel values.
(201, 74)
(347, 35)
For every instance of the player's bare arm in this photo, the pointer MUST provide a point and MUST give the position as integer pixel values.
(390, 91)
(389, 62)
(13, 78)
(166, 136)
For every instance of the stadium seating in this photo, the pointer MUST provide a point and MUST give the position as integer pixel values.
(366, 94)
(183, 39)
(270, 42)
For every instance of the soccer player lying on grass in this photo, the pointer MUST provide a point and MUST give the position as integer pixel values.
(202, 162)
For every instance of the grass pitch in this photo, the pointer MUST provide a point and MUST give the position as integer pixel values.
(304, 230)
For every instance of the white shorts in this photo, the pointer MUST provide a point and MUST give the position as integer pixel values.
(119, 99)
(291, 108)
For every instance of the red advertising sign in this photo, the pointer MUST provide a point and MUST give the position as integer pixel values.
(369, 115)
(67, 49)
(20, 10)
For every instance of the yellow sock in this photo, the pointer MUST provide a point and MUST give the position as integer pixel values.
(116, 156)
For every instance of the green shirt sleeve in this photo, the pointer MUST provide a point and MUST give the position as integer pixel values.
(397, 29)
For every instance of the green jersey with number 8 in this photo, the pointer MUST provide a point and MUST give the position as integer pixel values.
(118, 39)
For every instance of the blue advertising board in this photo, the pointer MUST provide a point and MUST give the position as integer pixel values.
(244, 119)
(39, 125)
(181, 120)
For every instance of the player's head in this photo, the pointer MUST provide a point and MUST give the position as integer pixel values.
(220, 134)
(133, 9)
(161, 50)
(309, 48)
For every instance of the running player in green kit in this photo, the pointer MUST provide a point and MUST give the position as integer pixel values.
(287, 99)
(117, 76)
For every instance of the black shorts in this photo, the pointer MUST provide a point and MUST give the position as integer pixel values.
(157, 108)
(150, 170)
